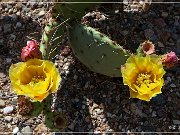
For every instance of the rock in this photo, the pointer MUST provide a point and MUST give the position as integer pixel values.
(41, 13)
(2, 103)
(76, 100)
(154, 114)
(41, 128)
(18, 25)
(19, 133)
(18, 6)
(159, 100)
(27, 130)
(160, 22)
(99, 111)
(148, 33)
(14, 100)
(160, 44)
(8, 6)
(25, 9)
(8, 60)
(88, 119)
(137, 111)
(18, 13)
(15, 130)
(169, 79)
(71, 126)
(124, 33)
(10, 11)
(8, 109)
(75, 77)
(14, 17)
(165, 36)
(172, 85)
(178, 113)
(83, 107)
(0, 28)
(164, 14)
(7, 28)
(8, 118)
(12, 37)
(176, 122)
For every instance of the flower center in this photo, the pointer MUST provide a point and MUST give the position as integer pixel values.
(37, 79)
(143, 78)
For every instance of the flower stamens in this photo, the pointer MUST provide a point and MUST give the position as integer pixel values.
(143, 78)
(37, 79)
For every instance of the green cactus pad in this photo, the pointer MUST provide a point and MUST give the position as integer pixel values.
(50, 41)
(73, 9)
(37, 109)
(97, 51)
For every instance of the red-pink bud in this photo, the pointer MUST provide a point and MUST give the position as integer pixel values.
(31, 51)
(169, 59)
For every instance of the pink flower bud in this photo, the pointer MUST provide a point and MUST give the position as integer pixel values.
(169, 59)
(30, 51)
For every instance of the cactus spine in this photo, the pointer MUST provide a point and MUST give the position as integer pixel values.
(51, 38)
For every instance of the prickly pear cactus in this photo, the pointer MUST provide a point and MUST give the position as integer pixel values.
(93, 49)
(72, 9)
(51, 39)
(97, 51)
(55, 29)
(53, 120)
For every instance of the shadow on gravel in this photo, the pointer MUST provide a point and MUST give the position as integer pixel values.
(93, 102)
(14, 30)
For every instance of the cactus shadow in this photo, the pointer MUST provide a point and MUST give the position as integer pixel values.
(91, 100)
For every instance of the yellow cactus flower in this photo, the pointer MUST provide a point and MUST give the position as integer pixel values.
(34, 78)
(143, 75)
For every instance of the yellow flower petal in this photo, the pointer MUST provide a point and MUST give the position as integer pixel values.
(34, 78)
(143, 75)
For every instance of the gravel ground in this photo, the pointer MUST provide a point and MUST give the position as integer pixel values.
(93, 102)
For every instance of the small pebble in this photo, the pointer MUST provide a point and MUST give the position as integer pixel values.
(75, 77)
(2, 103)
(176, 122)
(8, 118)
(164, 14)
(154, 114)
(18, 25)
(41, 13)
(14, 17)
(8, 60)
(26, 130)
(71, 126)
(173, 85)
(160, 44)
(83, 107)
(8, 109)
(148, 33)
(19, 133)
(15, 130)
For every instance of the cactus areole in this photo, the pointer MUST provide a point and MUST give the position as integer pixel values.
(97, 51)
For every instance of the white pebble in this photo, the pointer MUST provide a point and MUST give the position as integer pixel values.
(8, 109)
(15, 130)
(8, 118)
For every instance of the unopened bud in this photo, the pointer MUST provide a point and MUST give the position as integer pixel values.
(31, 51)
(169, 59)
